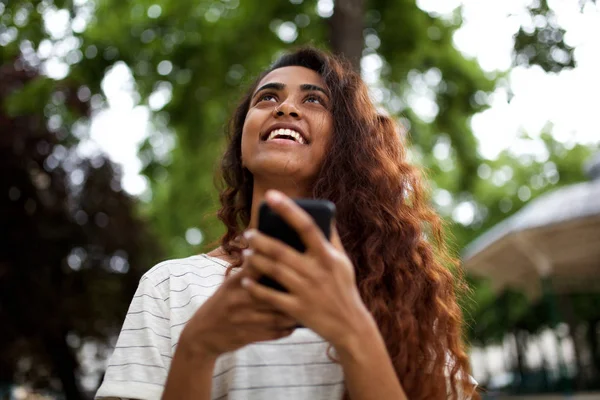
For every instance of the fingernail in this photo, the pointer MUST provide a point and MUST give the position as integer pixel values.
(247, 252)
(249, 233)
(274, 196)
(246, 282)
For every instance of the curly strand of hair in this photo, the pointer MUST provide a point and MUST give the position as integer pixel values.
(414, 282)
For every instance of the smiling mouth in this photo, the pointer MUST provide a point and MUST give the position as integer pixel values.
(286, 134)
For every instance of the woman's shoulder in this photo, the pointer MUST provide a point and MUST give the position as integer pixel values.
(201, 266)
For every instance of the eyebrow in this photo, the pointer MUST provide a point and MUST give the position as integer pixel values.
(305, 87)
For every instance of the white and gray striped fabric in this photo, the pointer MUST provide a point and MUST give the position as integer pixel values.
(296, 367)
(293, 368)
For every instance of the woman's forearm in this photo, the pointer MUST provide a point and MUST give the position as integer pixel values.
(190, 375)
(368, 370)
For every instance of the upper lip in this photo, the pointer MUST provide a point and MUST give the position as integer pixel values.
(283, 125)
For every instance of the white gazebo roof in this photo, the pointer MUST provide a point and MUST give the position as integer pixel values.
(556, 234)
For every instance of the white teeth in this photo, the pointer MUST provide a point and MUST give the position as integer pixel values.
(287, 132)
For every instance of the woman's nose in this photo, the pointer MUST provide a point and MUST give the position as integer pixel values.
(287, 108)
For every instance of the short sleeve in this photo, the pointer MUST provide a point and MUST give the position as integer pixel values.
(139, 364)
(461, 394)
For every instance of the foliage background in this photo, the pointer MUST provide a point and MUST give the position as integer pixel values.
(74, 243)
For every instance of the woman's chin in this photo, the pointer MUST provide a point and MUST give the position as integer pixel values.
(285, 172)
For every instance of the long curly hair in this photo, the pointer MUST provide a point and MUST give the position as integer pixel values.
(404, 272)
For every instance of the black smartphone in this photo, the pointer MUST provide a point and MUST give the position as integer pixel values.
(270, 223)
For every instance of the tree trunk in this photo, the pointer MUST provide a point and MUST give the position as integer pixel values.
(581, 377)
(592, 337)
(65, 364)
(346, 30)
(571, 320)
(521, 349)
(545, 366)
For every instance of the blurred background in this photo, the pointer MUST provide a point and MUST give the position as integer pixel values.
(111, 123)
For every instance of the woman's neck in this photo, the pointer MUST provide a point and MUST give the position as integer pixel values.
(258, 195)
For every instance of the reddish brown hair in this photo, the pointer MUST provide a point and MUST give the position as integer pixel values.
(386, 225)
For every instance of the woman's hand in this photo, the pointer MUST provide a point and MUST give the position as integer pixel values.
(322, 287)
(231, 318)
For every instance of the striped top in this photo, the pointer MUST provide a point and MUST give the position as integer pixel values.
(295, 367)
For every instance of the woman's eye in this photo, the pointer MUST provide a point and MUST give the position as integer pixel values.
(267, 97)
(314, 99)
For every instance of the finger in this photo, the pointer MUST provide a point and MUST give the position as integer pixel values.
(244, 302)
(233, 285)
(274, 335)
(252, 335)
(276, 250)
(247, 270)
(284, 302)
(285, 275)
(299, 220)
(252, 319)
(241, 301)
(336, 241)
(238, 296)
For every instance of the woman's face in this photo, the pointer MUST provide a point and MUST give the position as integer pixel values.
(288, 126)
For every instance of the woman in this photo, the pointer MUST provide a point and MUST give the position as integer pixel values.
(378, 302)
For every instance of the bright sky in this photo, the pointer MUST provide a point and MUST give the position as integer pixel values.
(569, 100)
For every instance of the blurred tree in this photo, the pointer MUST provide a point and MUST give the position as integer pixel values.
(542, 42)
(346, 30)
(190, 55)
(504, 186)
(190, 61)
(72, 248)
(189, 66)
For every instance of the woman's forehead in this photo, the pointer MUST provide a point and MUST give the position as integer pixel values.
(293, 76)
